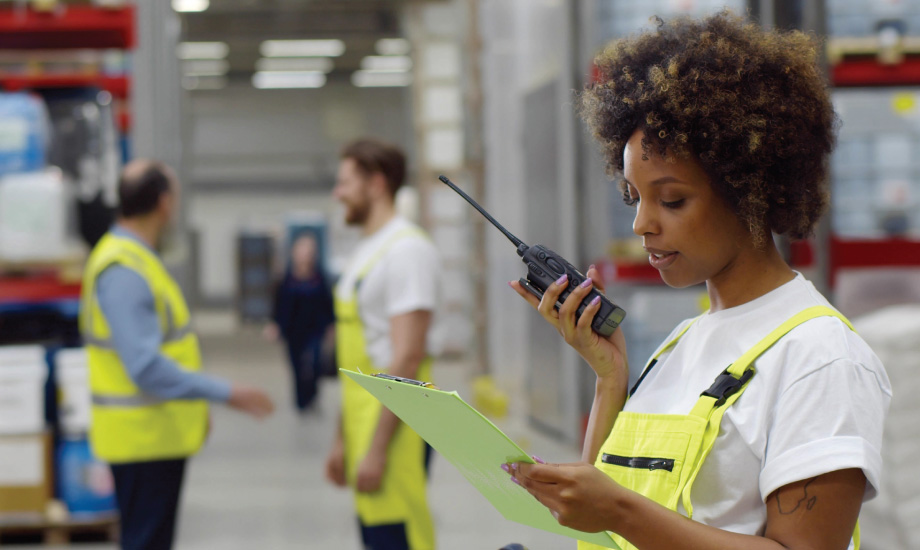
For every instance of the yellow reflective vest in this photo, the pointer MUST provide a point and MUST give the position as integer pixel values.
(127, 424)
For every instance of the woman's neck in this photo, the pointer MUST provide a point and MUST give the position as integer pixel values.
(748, 277)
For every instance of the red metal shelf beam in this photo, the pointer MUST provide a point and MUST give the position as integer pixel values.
(867, 71)
(72, 26)
(894, 252)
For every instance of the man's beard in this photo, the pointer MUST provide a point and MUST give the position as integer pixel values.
(357, 213)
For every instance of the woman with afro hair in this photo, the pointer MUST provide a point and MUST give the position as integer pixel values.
(757, 425)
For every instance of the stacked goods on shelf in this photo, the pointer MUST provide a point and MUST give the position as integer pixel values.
(35, 212)
(24, 133)
(875, 190)
(85, 484)
(25, 445)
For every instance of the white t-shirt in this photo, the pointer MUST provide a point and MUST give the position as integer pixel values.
(407, 278)
(817, 404)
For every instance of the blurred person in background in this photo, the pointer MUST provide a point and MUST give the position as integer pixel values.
(719, 133)
(384, 304)
(302, 317)
(150, 402)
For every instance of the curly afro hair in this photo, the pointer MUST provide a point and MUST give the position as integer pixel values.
(751, 106)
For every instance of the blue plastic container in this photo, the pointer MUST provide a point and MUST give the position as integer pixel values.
(85, 484)
(24, 136)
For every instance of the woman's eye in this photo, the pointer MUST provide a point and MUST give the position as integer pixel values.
(673, 204)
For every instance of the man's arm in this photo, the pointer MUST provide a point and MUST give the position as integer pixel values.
(127, 304)
(408, 333)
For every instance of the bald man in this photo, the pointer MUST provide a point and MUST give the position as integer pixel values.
(150, 400)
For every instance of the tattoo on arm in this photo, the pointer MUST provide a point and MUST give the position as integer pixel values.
(808, 501)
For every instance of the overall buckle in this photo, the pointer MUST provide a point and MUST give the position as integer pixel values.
(727, 385)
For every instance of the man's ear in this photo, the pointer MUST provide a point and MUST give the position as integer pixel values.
(378, 185)
(167, 203)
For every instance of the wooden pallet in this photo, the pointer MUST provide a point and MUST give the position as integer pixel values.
(41, 529)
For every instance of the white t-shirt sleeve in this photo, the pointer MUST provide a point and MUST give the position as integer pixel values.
(412, 277)
(829, 420)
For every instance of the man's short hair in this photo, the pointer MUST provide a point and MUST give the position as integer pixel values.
(373, 156)
(139, 193)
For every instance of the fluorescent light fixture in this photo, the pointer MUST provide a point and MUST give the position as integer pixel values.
(191, 82)
(392, 46)
(321, 64)
(202, 50)
(190, 5)
(388, 63)
(288, 79)
(302, 48)
(205, 67)
(379, 79)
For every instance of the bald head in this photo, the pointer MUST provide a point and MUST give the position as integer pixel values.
(142, 184)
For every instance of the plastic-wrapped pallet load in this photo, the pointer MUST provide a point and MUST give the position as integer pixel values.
(35, 208)
(892, 521)
(85, 484)
(71, 373)
(24, 133)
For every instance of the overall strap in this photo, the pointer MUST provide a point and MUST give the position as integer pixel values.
(654, 360)
(732, 382)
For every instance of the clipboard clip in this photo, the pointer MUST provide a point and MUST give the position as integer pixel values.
(405, 380)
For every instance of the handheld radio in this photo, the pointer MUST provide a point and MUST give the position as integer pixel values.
(545, 266)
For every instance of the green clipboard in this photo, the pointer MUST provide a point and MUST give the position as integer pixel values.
(474, 445)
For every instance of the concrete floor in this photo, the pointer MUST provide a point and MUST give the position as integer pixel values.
(260, 485)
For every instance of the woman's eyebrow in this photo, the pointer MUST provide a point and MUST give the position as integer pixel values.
(659, 181)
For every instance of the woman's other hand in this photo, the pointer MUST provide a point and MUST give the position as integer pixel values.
(577, 494)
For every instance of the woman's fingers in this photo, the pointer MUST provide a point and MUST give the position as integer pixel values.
(550, 297)
(568, 319)
(594, 274)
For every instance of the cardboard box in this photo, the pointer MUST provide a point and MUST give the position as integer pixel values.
(26, 477)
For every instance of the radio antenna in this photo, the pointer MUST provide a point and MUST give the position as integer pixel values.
(517, 242)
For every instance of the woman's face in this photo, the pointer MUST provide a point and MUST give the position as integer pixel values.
(690, 233)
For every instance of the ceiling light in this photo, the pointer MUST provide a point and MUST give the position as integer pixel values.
(288, 79)
(302, 48)
(202, 50)
(378, 79)
(192, 82)
(205, 67)
(392, 46)
(321, 64)
(389, 63)
(190, 5)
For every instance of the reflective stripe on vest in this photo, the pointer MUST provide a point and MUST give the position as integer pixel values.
(678, 444)
(402, 496)
(127, 424)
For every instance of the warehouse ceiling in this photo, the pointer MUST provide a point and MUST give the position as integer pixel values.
(244, 24)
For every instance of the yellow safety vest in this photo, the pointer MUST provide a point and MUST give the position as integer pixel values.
(660, 455)
(127, 424)
(402, 496)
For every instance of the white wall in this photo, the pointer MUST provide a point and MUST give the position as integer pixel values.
(255, 156)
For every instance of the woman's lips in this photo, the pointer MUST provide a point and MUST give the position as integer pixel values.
(661, 259)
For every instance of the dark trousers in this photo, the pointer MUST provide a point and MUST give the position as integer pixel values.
(305, 363)
(148, 502)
